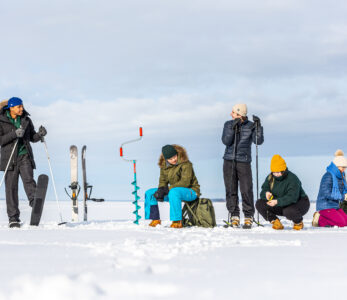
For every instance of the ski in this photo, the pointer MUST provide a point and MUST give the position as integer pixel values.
(39, 200)
(85, 184)
(258, 223)
(87, 189)
(227, 224)
(74, 186)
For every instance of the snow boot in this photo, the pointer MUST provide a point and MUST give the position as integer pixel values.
(154, 223)
(248, 223)
(298, 226)
(14, 224)
(235, 222)
(277, 225)
(176, 224)
(315, 220)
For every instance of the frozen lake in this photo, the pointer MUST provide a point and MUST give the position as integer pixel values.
(111, 258)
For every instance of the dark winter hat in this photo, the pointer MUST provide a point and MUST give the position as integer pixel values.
(14, 101)
(169, 151)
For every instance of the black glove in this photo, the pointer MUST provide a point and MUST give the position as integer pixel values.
(161, 193)
(20, 132)
(42, 131)
(236, 123)
(256, 121)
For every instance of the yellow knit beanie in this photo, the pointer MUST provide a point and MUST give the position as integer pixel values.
(278, 164)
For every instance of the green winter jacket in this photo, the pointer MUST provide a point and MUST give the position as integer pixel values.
(286, 189)
(180, 175)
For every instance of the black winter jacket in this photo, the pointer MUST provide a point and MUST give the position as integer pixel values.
(245, 137)
(8, 139)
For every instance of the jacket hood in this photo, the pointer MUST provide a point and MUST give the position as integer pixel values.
(182, 156)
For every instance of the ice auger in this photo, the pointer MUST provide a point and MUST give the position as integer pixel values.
(134, 183)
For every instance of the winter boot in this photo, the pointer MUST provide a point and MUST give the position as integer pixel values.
(235, 222)
(14, 224)
(176, 224)
(298, 226)
(154, 223)
(315, 220)
(277, 225)
(248, 223)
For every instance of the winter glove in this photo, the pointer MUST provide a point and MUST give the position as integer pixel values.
(236, 123)
(161, 193)
(42, 131)
(343, 205)
(20, 132)
(256, 121)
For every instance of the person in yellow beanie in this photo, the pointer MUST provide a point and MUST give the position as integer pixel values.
(282, 195)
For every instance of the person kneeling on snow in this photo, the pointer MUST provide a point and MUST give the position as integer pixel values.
(332, 193)
(177, 183)
(282, 195)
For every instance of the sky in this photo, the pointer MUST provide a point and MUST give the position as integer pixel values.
(93, 72)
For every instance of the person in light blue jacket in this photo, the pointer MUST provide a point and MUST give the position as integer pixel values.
(332, 193)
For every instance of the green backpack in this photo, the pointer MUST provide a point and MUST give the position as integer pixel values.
(199, 213)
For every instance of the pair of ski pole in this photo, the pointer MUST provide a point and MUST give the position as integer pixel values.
(256, 164)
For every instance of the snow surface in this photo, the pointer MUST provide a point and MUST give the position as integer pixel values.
(111, 258)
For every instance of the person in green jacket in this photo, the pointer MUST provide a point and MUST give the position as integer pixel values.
(177, 183)
(282, 195)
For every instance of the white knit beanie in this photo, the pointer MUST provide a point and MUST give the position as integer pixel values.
(340, 160)
(240, 109)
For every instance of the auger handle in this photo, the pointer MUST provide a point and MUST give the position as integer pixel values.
(129, 142)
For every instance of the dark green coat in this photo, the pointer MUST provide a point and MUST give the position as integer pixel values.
(180, 175)
(286, 189)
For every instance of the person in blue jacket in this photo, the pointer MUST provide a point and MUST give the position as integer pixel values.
(332, 194)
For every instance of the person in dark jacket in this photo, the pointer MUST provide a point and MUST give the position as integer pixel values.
(238, 136)
(282, 195)
(177, 182)
(16, 133)
(332, 195)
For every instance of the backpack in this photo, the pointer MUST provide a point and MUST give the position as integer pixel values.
(199, 213)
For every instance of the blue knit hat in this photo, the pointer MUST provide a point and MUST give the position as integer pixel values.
(14, 101)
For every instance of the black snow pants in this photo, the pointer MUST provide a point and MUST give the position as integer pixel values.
(242, 173)
(293, 212)
(25, 170)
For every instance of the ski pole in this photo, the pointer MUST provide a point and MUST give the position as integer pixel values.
(53, 181)
(8, 163)
(256, 166)
(256, 163)
(134, 183)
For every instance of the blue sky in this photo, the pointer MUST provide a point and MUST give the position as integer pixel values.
(92, 72)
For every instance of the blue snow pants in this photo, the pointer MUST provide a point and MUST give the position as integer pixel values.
(175, 198)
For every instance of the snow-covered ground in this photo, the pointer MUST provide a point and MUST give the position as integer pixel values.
(111, 258)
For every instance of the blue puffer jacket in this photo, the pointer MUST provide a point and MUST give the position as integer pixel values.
(325, 199)
(245, 137)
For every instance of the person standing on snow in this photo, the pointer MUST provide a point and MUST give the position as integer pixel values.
(332, 193)
(177, 183)
(15, 125)
(238, 136)
(282, 195)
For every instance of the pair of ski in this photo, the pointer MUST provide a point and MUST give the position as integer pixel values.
(75, 187)
(228, 224)
(39, 200)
